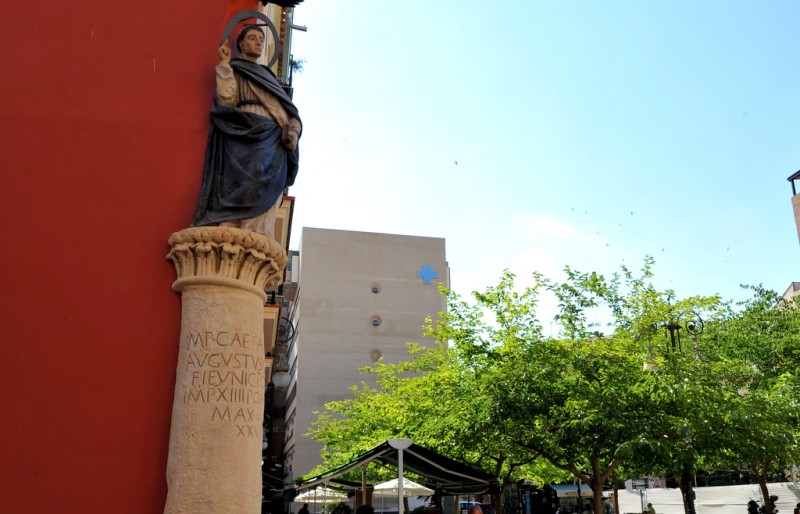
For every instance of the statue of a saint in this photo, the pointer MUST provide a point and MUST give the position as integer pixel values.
(252, 153)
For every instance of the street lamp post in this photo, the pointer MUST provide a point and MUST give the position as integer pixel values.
(400, 445)
(694, 327)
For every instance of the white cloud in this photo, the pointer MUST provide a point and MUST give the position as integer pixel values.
(549, 226)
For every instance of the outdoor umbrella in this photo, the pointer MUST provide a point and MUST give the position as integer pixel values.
(389, 489)
(320, 495)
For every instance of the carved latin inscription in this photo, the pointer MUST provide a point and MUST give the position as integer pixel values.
(227, 372)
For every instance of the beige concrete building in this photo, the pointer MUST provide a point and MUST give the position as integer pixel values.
(794, 287)
(791, 291)
(361, 296)
(793, 179)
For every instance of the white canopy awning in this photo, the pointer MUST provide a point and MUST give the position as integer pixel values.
(410, 488)
(320, 495)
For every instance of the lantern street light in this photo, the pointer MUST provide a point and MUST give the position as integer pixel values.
(694, 327)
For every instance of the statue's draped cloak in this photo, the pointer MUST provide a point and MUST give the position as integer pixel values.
(247, 165)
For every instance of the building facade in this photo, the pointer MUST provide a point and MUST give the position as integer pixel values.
(103, 145)
(360, 297)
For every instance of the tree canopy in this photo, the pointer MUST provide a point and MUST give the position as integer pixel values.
(630, 381)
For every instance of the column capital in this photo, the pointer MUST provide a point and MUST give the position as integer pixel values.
(226, 255)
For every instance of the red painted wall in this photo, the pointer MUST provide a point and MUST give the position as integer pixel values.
(103, 120)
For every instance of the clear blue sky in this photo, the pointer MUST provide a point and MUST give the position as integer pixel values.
(585, 133)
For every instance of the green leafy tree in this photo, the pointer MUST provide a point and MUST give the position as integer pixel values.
(586, 392)
(444, 398)
(618, 390)
(495, 392)
(726, 397)
(760, 344)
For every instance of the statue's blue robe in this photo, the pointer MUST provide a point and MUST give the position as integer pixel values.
(247, 167)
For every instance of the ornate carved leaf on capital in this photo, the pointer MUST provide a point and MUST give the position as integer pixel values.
(228, 253)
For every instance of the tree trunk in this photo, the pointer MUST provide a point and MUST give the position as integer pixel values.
(597, 496)
(683, 497)
(687, 489)
(762, 484)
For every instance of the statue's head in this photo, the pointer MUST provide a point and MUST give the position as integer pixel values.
(240, 39)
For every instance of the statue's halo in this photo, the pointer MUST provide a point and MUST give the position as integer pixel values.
(244, 15)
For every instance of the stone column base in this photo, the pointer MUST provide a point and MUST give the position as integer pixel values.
(214, 464)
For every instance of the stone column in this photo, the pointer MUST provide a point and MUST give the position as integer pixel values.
(214, 463)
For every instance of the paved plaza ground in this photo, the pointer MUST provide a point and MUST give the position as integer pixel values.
(711, 500)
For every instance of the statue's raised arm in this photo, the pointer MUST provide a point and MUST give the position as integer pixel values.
(224, 52)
